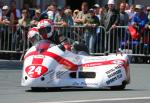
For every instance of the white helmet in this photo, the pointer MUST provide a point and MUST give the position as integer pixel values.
(33, 35)
(45, 28)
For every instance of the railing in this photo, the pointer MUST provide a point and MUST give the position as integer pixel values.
(120, 37)
(14, 39)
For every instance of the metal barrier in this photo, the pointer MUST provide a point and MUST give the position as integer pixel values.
(14, 39)
(120, 37)
(93, 37)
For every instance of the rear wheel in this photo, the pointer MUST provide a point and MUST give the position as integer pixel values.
(38, 89)
(120, 87)
(54, 88)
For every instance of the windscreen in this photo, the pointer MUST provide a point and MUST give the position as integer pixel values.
(42, 46)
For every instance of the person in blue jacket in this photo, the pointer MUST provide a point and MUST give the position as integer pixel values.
(139, 22)
(140, 19)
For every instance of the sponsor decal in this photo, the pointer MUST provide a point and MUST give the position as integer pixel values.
(88, 84)
(114, 73)
(113, 69)
(61, 74)
(84, 84)
(51, 75)
(114, 79)
(75, 84)
(35, 71)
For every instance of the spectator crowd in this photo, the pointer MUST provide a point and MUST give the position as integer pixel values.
(108, 16)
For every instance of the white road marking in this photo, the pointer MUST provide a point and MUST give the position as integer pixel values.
(99, 100)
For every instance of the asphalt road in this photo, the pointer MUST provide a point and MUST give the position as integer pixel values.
(136, 92)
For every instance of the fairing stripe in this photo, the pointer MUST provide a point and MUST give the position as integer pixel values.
(71, 66)
(37, 60)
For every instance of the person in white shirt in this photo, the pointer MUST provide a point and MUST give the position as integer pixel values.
(131, 12)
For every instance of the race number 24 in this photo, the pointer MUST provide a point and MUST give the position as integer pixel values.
(35, 71)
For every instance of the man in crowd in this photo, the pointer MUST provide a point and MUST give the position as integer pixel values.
(122, 34)
(83, 14)
(14, 13)
(36, 17)
(111, 20)
(4, 17)
(140, 19)
(131, 12)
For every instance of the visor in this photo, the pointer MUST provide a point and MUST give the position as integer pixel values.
(45, 30)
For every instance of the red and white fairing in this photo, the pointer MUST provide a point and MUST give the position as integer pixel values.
(46, 66)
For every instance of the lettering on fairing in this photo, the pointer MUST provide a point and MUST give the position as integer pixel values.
(75, 84)
(114, 79)
(50, 73)
(62, 74)
(114, 73)
(84, 84)
(113, 69)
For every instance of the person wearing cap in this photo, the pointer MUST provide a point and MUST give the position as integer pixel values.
(99, 12)
(139, 22)
(36, 17)
(96, 8)
(111, 18)
(5, 17)
(140, 19)
(5, 23)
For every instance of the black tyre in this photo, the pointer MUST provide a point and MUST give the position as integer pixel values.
(120, 87)
(38, 89)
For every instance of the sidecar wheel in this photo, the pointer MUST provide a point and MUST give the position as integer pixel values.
(120, 87)
(36, 89)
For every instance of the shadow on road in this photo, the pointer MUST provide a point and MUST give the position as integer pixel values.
(76, 90)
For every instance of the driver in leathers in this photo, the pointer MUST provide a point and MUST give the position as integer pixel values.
(45, 31)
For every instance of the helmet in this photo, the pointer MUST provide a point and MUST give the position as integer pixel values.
(33, 35)
(45, 28)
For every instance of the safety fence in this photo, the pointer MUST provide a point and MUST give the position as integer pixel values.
(13, 39)
(120, 37)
